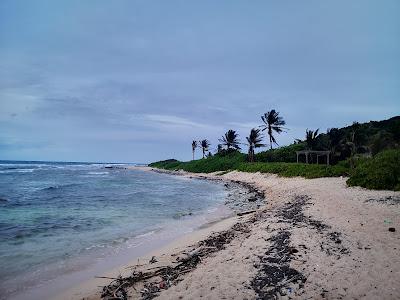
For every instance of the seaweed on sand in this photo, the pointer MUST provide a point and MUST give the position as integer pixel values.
(159, 278)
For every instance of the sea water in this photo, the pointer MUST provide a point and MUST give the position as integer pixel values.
(54, 215)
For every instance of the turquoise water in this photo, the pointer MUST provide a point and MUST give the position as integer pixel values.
(51, 213)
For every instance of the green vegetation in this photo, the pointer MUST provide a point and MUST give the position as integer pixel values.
(283, 154)
(218, 162)
(381, 172)
(237, 161)
(368, 153)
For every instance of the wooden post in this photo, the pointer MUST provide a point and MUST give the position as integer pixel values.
(327, 159)
(306, 157)
(297, 157)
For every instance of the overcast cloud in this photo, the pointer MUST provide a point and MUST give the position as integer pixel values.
(136, 81)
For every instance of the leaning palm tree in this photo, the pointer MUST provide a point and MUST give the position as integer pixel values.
(205, 144)
(230, 140)
(194, 146)
(311, 138)
(254, 141)
(272, 123)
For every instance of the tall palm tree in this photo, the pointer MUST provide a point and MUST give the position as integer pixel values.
(272, 123)
(205, 144)
(194, 146)
(254, 141)
(311, 137)
(230, 140)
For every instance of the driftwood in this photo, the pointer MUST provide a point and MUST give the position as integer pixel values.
(245, 212)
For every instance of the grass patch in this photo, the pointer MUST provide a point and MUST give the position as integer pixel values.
(294, 169)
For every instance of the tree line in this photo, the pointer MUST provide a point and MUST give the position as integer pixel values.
(366, 139)
(272, 124)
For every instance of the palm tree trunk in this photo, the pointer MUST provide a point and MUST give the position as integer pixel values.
(270, 141)
(270, 135)
(203, 152)
(193, 154)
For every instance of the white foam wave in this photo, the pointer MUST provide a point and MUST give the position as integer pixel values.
(98, 173)
(17, 171)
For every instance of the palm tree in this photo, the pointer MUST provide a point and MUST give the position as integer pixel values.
(272, 122)
(194, 146)
(204, 146)
(230, 140)
(311, 137)
(254, 141)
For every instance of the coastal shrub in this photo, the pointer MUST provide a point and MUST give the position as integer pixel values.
(165, 164)
(228, 161)
(381, 172)
(282, 154)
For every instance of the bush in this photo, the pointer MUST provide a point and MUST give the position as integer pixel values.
(283, 154)
(164, 164)
(227, 161)
(381, 172)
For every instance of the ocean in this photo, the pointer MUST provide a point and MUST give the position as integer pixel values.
(58, 218)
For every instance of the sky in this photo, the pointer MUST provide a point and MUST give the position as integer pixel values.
(137, 81)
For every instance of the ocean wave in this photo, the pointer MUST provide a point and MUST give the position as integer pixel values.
(10, 171)
(98, 173)
(146, 234)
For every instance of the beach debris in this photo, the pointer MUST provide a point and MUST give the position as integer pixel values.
(389, 200)
(392, 229)
(162, 277)
(275, 277)
(152, 260)
(293, 214)
(245, 212)
(275, 272)
(243, 197)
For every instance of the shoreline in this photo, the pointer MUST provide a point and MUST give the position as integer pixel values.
(81, 284)
(321, 238)
(315, 238)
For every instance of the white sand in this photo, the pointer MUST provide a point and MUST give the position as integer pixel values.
(368, 268)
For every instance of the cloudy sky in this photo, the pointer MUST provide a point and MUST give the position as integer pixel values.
(136, 81)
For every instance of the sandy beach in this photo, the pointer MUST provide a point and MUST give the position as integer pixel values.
(314, 239)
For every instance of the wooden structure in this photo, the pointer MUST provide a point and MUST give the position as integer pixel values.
(318, 153)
